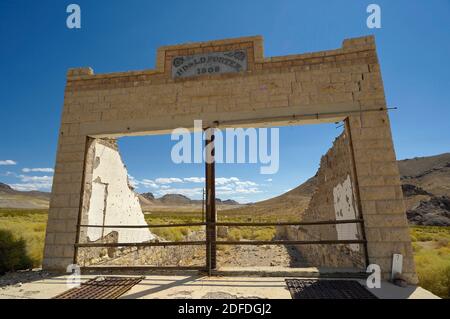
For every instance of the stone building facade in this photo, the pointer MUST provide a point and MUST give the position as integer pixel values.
(326, 86)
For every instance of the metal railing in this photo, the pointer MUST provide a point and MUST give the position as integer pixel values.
(211, 243)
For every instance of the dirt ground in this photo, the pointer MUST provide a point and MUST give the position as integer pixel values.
(266, 255)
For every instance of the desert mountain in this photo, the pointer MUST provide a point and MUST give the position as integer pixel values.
(150, 203)
(10, 198)
(289, 203)
(425, 183)
(426, 187)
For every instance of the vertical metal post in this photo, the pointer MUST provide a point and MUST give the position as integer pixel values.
(210, 201)
(88, 142)
(203, 206)
(358, 200)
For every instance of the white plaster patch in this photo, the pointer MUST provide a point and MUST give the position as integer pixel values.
(344, 209)
(112, 202)
(96, 210)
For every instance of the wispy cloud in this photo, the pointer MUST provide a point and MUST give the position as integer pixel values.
(226, 180)
(32, 186)
(31, 182)
(168, 180)
(149, 183)
(8, 162)
(225, 186)
(245, 183)
(194, 179)
(43, 179)
(38, 170)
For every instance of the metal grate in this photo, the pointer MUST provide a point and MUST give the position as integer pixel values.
(101, 288)
(327, 289)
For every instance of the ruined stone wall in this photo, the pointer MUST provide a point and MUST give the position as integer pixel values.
(110, 200)
(333, 199)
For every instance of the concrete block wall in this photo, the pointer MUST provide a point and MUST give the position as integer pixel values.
(381, 196)
(304, 88)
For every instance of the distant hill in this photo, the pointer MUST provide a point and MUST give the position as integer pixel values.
(290, 203)
(425, 183)
(171, 201)
(10, 198)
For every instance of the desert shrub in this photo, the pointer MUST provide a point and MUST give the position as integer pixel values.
(429, 233)
(433, 262)
(169, 234)
(435, 278)
(444, 252)
(234, 234)
(267, 233)
(442, 242)
(13, 253)
(416, 247)
(28, 225)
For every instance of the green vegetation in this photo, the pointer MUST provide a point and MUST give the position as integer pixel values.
(234, 233)
(13, 253)
(22, 235)
(431, 246)
(22, 231)
(173, 233)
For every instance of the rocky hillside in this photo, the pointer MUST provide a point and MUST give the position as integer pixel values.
(426, 187)
(425, 184)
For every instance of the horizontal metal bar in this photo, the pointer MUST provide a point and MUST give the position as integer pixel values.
(291, 242)
(140, 268)
(327, 222)
(250, 242)
(149, 244)
(144, 226)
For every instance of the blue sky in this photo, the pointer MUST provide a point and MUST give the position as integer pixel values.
(37, 49)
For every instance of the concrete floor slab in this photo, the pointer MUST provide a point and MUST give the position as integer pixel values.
(197, 287)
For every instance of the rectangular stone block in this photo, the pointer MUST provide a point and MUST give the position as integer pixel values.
(396, 206)
(395, 234)
(378, 192)
(389, 220)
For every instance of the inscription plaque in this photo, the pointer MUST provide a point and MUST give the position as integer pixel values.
(209, 63)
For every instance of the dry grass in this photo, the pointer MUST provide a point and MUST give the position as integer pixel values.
(28, 225)
(432, 257)
(234, 233)
(431, 244)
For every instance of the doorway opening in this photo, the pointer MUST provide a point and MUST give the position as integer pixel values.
(165, 218)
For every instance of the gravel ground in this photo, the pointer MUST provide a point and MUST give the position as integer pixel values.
(18, 278)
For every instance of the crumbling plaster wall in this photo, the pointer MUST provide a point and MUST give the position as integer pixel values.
(333, 199)
(109, 200)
